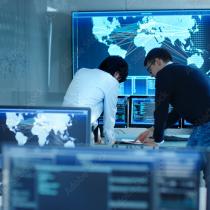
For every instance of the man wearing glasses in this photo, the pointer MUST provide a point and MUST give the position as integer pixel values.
(187, 90)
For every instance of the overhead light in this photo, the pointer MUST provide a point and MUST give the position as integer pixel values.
(51, 9)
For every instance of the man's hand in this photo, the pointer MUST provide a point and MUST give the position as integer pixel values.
(150, 142)
(146, 134)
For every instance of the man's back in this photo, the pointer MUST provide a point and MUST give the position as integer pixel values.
(189, 91)
(89, 88)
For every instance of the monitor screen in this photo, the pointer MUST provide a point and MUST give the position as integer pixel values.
(121, 115)
(67, 187)
(44, 126)
(141, 112)
(132, 34)
(138, 85)
(38, 176)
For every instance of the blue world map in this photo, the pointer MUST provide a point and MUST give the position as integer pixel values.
(133, 36)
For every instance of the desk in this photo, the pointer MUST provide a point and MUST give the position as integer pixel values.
(132, 133)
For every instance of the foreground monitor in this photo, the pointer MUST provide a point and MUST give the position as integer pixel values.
(50, 178)
(143, 179)
(132, 34)
(44, 126)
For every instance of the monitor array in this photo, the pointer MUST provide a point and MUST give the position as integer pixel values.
(138, 111)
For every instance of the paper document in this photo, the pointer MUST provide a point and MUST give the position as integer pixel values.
(128, 141)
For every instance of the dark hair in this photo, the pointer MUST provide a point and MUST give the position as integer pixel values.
(114, 64)
(157, 53)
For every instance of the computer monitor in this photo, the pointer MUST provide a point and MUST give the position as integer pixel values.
(179, 179)
(141, 111)
(138, 85)
(35, 178)
(44, 126)
(132, 34)
(131, 182)
(121, 115)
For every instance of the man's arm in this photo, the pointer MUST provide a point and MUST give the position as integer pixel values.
(161, 117)
(110, 109)
(147, 136)
(162, 98)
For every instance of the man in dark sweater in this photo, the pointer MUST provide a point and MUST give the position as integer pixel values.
(187, 90)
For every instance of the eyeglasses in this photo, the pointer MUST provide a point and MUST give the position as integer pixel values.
(149, 67)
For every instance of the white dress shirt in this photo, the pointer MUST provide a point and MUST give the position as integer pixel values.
(98, 90)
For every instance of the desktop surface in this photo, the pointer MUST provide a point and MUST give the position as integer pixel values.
(173, 136)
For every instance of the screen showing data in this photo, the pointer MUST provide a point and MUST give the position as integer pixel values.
(141, 111)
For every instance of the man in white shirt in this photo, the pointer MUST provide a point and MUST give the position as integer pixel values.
(98, 89)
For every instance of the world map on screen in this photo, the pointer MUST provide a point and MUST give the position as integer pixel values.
(133, 36)
(52, 129)
(149, 33)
